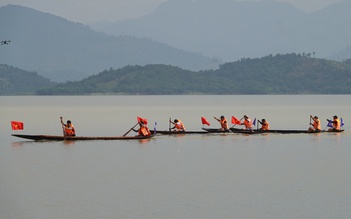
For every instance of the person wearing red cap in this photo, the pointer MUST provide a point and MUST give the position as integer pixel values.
(143, 129)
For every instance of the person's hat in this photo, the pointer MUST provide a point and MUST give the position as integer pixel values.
(316, 117)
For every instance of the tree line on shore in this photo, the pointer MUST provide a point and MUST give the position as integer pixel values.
(273, 74)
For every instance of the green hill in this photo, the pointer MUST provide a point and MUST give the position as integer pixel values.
(289, 74)
(279, 74)
(14, 81)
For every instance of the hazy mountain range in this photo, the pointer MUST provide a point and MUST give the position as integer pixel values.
(230, 30)
(62, 50)
(191, 34)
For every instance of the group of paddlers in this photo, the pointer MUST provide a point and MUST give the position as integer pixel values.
(334, 125)
(247, 123)
(178, 126)
(315, 126)
(69, 130)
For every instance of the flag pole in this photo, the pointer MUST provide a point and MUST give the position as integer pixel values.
(327, 124)
(155, 128)
(236, 124)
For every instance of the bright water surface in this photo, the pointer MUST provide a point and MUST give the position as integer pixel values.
(191, 176)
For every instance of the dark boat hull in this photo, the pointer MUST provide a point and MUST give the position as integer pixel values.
(77, 138)
(271, 131)
(179, 133)
(235, 130)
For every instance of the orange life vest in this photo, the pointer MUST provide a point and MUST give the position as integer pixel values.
(224, 123)
(336, 124)
(179, 126)
(70, 131)
(144, 131)
(265, 126)
(248, 124)
(317, 124)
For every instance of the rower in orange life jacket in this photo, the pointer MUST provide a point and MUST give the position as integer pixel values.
(247, 123)
(223, 122)
(178, 125)
(68, 128)
(264, 124)
(336, 124)
(143, 129)
(316, 125)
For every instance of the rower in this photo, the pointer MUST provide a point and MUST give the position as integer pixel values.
(316, 125)
(68, 128)
(143, 129)
(335, 124)
(223, 122)
(178, 125)
(247, 123)
(264, 124)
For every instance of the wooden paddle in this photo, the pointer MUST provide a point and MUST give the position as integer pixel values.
(63, 129)
(64, 133)
(169, 124)
(130, 129)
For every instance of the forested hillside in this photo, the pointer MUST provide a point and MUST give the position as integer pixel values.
(14, 81)
(279, 74)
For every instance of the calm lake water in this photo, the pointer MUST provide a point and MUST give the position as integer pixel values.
(190, 176)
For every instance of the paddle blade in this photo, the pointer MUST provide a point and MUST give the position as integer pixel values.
(341, 122)
(330, 124)
(204, 121)
(16, 125)
(142, 120)
(235, 121)
(254, 122)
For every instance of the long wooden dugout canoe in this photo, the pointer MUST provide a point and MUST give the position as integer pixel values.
(165, 132)
(77, 138)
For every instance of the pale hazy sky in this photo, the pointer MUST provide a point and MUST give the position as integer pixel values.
(90, 11)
